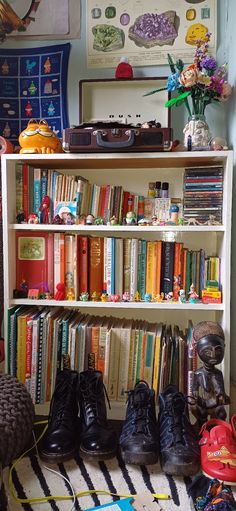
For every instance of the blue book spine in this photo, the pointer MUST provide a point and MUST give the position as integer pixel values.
(37, 189)
(112, 265)
(44, 183)
(143, 268)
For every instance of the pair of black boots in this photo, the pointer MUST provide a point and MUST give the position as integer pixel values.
(78, 419)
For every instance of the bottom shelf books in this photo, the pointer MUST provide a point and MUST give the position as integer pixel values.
(125, 350)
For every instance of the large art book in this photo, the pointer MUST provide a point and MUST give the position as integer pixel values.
(34, 260)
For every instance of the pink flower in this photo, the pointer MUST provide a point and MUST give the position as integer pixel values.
(226, 92)
(189, 76)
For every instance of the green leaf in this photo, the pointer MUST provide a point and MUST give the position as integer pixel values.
(180, 65)
(154, 91)
(178, 100)
(171, 63)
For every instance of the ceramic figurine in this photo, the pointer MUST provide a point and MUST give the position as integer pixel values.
(89, 220)
(126, 296)
(70, 295)
(192, 295)
(156, 298)
(182, 296)
(113, 221)
(98, 221)
(81, 220)
(33, 218)
(57, 220)
(147, 297)
(131, 218)
(37, 137)
(20, 217)
(84, 296)
(137, 297)
(104, 297)
(60, 291)
(44, 210)
(155, 220)
(115, 298)
(170, 296)
(70, 219)
(95, 296)
(208, 383)
(162, 297)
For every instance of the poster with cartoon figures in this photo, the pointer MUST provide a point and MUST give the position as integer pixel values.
(33, 84)
(145, 31)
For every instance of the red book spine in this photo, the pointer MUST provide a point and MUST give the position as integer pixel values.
(28, 358)
(106, 203)
(178, 261)
(95, 266)
(25, 182)
(83, 264)
(125, 203)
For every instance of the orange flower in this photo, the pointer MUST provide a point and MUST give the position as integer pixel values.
(189, 76)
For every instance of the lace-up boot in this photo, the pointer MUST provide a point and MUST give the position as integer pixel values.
(59, 442)
(98, 440)
(179, 451)
(139, 436)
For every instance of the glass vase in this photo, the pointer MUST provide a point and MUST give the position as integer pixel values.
(196, 132)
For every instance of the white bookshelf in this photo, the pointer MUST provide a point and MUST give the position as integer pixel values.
(133, 171)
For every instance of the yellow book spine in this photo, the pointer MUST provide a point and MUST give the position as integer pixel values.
(127, 264)
(149, 267)
(156, 366)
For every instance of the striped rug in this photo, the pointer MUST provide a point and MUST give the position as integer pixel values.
(31, 479)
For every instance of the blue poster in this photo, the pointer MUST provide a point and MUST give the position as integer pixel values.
(33, 84)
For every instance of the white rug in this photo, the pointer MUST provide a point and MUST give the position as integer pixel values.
(32, 480)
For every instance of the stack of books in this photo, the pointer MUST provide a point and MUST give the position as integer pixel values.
(203, 195)
(124, 350)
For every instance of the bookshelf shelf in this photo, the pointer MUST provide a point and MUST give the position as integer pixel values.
(121, 305)
(117, 229)
(132, 171)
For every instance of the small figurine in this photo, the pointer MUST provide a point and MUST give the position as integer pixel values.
(44, 210)
(81, 220)
(24, 286)
(192, 295)
(144, 221)
(113, 221)
(131, 218)
(60, 293)
(147, 297)
(95, 296)
(137, 297)
(70, 220)
(33, 294)
(57, 220)
(115, 298)
(37, 137)
(174, 213)
(98, 221)
(84, 296)
(104, 297)
(208, 383)
(155, 220)
(162, 297)
(70, 294)
(156, 298)
(170, 296)
(20, 217)
(124, 69)
(89, 220)
(182, 296)
(33, 218)
(126, 296)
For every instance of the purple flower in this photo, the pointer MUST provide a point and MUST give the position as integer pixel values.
(208, 63)
(173, 82)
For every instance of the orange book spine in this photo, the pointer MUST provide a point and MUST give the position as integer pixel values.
(184, 272)
(82, 244)
(149, 267)
(95, 266)
(158, 267)
(177, 282)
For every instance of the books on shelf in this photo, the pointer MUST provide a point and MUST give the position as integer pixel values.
(125, 350)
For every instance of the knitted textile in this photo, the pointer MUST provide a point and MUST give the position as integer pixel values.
(16, 418)
(205, 328)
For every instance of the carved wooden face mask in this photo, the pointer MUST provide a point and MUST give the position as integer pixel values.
(211, 349)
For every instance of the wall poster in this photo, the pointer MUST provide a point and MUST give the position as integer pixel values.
(146, 30)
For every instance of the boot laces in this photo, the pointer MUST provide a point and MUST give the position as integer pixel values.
(175, 409)
(91, 391)
(61, 404)
(141, 407)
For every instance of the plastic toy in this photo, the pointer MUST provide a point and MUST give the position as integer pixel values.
(37, 137)
(89, 220)
(115, 298)
(44, 210)
(182, 296)
(60, 293)
(126, 296)
(113, 221)
(95, 296)
(20, 217)
(131, 218)
(98, 221)
(192, 295)
(104, 297)
(147, 297)
(33, 218)
(84, 296)
(137, 297)
(218, 449)
(208, 388)
(70, 295)
(124, 69)
(33, 294)
(57, 220)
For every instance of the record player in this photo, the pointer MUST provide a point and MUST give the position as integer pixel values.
(115, 116)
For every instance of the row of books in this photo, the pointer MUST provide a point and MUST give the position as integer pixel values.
(42, 340)
(82, 197)
(111, 265)
(203, 194)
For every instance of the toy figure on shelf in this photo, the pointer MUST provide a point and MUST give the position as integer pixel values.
(126, 296)
(131, 218)
(113, 221)
(60, 293)
(95, 296)
(70, 294)
(192, 295)
(20, 217)
(99, 221)
(24, 288)
(170, 296)
(89, 220)
(182, 296)
(147, 297)
(44, 210)
(38, 137)
(57, 220)
(137, 297)
(104, 297)
(33, 218)
(208, 388)
(115, 298)
(84, 296)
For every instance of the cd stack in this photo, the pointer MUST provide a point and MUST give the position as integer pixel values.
(203, 196)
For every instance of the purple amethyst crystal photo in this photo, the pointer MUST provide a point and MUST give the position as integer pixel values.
(152, 29)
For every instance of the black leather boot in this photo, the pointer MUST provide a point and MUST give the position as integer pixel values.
(61, 438)
(98, 440)
(139, 436)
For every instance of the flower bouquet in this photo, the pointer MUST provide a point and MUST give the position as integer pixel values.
(204, 82)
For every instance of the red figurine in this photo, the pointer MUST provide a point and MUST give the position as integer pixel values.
(60, 294)
(44, 210)
(124, 69)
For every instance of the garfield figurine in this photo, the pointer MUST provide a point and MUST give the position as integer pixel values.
(37, 137)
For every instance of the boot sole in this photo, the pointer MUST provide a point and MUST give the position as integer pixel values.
(183, 470)
(139, 458)
(231, 483)
(97, 456)
(57, 458)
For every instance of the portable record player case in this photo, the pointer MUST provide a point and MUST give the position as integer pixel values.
(105, 103)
